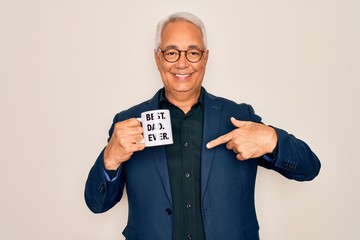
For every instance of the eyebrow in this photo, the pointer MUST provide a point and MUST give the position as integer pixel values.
(176, 47)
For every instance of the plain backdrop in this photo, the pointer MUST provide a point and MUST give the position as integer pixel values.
(67, 67)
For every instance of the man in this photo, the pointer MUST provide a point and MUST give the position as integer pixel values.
(201, 186)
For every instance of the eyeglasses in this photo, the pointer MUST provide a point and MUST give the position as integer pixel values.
(192, 55)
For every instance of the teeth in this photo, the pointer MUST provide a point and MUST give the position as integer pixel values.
(182, 75)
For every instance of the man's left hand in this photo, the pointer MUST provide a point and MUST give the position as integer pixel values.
(248, 140)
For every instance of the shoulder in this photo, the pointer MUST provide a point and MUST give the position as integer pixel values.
(136, 110)
(243, 111)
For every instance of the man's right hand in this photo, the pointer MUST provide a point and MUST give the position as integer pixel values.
(125, 140)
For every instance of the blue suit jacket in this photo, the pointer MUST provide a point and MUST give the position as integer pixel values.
(227, 184)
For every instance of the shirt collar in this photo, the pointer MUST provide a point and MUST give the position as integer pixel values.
(163, 98)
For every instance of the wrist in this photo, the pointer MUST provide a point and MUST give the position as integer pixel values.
(109, 163)
(273, 139)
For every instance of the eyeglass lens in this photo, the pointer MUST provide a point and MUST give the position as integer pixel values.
(192, 55)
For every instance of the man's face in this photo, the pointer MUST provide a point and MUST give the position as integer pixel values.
(182, 76)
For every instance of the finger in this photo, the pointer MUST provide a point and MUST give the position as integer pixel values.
(235, 150)
(135, 147)
(139, 146)
(131, 122)
(230, 145)
(238, 123)
(135, 138)
(123, 131)
(240, 157)
(134, 131)
(138, 138)
(220, 140)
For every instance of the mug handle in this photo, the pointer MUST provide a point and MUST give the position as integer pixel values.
(140, 120)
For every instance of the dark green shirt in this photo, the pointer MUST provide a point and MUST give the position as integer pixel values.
(184, 158)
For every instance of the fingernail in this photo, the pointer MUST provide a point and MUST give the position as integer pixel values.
(208, 145)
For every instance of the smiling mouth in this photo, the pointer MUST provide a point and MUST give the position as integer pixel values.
(182, 76)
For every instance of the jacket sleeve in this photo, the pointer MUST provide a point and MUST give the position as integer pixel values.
(101, 193)
(293, 159)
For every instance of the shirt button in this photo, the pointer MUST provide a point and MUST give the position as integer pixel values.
(188, 205)
(186, 144)
(187, 175)
(189, 237)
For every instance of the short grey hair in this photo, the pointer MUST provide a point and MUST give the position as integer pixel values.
(180, 16)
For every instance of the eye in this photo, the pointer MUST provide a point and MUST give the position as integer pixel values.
(171, 52)
(194, 52)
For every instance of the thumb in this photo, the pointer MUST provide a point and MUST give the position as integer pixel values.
(238, 123)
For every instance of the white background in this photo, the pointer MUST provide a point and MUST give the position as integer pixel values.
(66, 68)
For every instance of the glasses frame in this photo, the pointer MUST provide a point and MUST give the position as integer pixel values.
(180, 51)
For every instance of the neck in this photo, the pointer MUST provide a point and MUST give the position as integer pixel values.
(184, 101)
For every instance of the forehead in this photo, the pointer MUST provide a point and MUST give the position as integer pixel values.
(181, 34)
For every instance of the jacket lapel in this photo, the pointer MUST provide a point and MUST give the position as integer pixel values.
(160, 159)
(159, 153)
(211, 127)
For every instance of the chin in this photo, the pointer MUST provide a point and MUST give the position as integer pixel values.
(183, 88)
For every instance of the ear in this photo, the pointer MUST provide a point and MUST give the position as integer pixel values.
(206, 56)
(157, 57)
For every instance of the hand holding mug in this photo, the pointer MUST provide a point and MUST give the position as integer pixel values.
(132, 135)
(125, 140)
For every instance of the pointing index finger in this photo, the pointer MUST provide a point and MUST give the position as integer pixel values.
(220, 140)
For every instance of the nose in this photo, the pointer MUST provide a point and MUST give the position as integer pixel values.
(182, 62)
